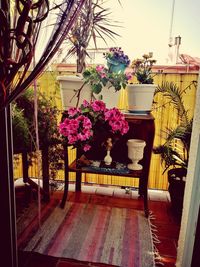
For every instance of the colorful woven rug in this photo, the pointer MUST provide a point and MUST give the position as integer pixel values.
(89, 232)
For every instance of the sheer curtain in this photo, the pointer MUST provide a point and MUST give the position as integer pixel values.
(21, 22)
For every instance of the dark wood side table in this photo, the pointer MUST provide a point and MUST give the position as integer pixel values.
(140, 127)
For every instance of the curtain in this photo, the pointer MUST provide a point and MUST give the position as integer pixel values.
(20, 25)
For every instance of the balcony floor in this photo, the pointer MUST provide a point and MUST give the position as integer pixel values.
(167, 224)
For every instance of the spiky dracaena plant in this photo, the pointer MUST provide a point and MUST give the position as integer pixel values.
(175, 150)
(93, 24)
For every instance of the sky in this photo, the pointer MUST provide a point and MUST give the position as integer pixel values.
(145, 27)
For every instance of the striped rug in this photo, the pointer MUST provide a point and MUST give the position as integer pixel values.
(92, 233)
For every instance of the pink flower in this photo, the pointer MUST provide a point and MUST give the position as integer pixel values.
(129, 75)
(86, 147)
(100, 68)
(98, 105)
(85, 122)
(72, 139)
(73, 111)
(113, 114)
(80, 125)
(103, 75)
(85, 103)
(85, 135)
(125, 128)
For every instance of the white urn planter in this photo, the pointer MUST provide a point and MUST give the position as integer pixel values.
(140, 97)
(135, 153)
(69, 86)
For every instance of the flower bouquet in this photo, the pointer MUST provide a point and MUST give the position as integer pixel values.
(90, 124)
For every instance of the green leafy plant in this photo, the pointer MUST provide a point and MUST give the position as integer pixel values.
(100, 76)
(142, 68)
(175, 150)
(21, 135)
(24, 128)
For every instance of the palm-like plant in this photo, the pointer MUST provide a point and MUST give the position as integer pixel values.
(175, 150)
(93, 23)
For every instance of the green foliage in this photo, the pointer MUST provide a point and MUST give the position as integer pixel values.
(100, 76)
(93, 24)
(175, 96)
(175, 150)
(24, 128)
(20, 130)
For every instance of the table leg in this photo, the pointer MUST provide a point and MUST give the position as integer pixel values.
(78, 181)
(66, 174)
(141, 187)
(146, 209)
(145, 193)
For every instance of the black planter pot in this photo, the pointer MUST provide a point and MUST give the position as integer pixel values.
(176, 189)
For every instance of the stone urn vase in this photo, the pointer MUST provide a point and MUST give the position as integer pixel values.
(135, 153)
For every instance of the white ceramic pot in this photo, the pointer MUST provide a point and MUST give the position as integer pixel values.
(109, 96)
(140, 97)
(135, 153)
(69, 86)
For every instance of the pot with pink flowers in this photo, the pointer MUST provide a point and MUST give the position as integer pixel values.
(106, 85)
(107, 81)
(89, 128)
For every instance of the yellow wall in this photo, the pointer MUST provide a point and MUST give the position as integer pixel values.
(164, 117)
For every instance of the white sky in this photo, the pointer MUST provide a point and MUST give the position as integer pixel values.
(146, 26)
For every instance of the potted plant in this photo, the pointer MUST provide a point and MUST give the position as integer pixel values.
(105, 82)
(24, 130)
(140, 96)
(89, 127)
(92, 24)
(174, 151)
(117, 61)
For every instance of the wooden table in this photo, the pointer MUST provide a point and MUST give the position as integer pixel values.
(140, 127)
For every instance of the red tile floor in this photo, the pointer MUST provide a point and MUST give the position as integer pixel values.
(167, 225)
